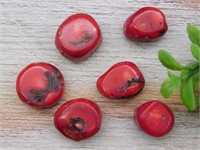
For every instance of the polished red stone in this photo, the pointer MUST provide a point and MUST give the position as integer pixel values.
(78, 119)
(40, 85)
(146, 24)
(155, 118)
(78, 36)
(122, 80)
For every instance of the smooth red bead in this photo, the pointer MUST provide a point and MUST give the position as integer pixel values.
(78, 36)
(40, 85)
(155, 118)
(78, 119)
(146, 24)
(122, 80)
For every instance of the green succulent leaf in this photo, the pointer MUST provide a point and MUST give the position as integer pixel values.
(194, 34)
(167, 89)
(195, 49)
(193, 65)
(189, 79)
(187, 95)
(195, 81)
(169, 61)
(175, 80)
(193, 68)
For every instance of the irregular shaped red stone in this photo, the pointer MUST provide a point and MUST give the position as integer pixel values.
(155, 118)
(122, 80)
(78, 36)
(40, 85)
(146, 24)
(78, 119)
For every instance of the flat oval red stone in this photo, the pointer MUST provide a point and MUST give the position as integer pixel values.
(155, 118)
(40, 85)
(78, 119)
(146, 24)
(78, 36)
(122, 80)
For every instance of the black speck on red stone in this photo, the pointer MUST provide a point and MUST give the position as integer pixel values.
(86, 38)
(53, 84)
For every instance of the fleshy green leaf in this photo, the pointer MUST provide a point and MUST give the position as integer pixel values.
(191, 68)
(193, 65)
(187, 95)
(195, 49)
(194, 34)
(176, 80)
(169, 61)
(189, 78)
(195, 81)
(167, 89)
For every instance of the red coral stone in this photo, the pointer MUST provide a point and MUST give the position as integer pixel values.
(146, 24)
(155, 118)
(40, 85)
(78, 119)
(122, 80)
(78, 36)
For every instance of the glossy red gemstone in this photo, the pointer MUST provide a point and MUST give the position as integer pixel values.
(146, 24)
(40, 85)
(122, 80)
(155, 118)
(78, 119)
(78, 36)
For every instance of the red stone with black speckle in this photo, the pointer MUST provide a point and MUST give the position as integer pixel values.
(154, 118)
(40, 85)
(78, 36)
(146, 24)
(78, 119)
(122, 80)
